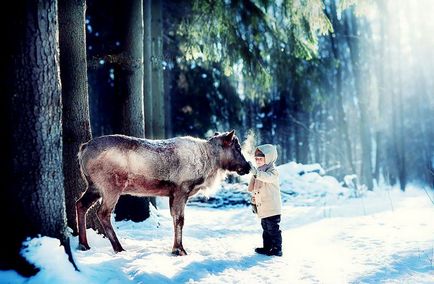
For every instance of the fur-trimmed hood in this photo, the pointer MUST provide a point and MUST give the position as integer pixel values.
(270, 153)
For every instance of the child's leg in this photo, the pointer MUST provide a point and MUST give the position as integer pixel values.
(273, 231)
(266, 238)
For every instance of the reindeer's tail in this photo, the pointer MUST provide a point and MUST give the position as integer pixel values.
(80, 155)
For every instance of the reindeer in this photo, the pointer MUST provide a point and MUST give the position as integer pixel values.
(114, 165)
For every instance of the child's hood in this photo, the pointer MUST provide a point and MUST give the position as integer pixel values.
(270, 153)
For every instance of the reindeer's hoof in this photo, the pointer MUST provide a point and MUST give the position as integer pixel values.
(83, 247)
(119, 249)
(179, 252)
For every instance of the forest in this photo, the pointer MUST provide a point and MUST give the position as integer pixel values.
(347, 84)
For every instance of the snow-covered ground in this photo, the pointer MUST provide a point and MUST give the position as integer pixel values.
(385, 236)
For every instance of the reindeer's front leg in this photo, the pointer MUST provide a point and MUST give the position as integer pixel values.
(177, 205)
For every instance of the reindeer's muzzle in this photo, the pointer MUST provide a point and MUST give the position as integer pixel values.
(243, 170)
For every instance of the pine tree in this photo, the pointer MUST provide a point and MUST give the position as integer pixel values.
(34, 191)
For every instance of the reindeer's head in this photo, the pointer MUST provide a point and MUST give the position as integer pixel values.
(229, 151)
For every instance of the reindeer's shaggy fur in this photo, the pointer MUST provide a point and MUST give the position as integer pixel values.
(179, 167)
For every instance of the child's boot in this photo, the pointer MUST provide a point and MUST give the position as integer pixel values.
(262, 250)
(275, 251)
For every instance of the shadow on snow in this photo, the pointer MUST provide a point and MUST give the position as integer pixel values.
(195, 271)
(403, 267)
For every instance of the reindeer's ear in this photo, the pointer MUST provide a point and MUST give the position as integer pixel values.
(231, 134)
(228, 138)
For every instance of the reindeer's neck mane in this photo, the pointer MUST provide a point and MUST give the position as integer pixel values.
(213, 174)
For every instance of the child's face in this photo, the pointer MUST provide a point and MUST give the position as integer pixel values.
(260, 161)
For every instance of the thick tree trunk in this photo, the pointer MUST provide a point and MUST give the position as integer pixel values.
(130, 75)
(34, 191)
(76, 124)
(130, 96)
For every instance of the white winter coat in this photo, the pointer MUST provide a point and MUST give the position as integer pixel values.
(265, 185)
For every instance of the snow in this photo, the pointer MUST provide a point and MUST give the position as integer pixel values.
(385, 236)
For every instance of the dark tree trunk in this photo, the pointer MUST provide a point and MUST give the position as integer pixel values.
(316, 138)
(158, 124)
(148, 75)
(147, 65)
(285, 130)
(251, 114)
(302, 136)
(34, 190)
(346, 157)
(130, 96)
(300, 122)
(130, 69)
(76, 124)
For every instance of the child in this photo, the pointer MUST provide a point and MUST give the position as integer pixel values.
(265, 189)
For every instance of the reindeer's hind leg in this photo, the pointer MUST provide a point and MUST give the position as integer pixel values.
(90, 196)
(104, 213)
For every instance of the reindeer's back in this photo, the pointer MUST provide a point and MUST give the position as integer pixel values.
(175, 159)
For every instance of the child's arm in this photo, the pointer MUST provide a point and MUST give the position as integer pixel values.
(271, 176)
(251, 183)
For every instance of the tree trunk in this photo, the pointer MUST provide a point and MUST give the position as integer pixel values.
(147, 64)
(76, 123)
(34, 190)
(284, 126)
(130, 70)
(130, 96)
(317, 140)
(346, 157)
(399, 160)
(365, 133)
(398, 133)
(382, 68)
(158, 124)
(167, 79)
(301, 136)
